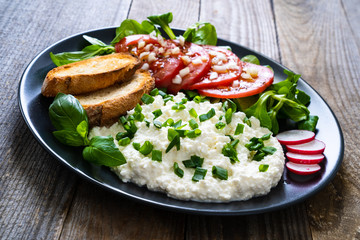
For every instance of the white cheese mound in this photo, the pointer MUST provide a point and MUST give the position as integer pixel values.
(244, 178)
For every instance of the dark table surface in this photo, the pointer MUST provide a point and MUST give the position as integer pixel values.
(42, 199)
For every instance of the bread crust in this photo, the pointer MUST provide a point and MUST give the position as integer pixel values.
(86, 80)
(107, 112)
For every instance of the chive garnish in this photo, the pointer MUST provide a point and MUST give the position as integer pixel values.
(229, 150)
(193, 124)
(220, 173)
(199, 99)
(193, 133)
(147, 99)
(220, 125)
(247, 121)
(136, 146)
(228, 115)
(146, 148)
(193, 113)
(168, 122)
(239, 129)
(263, 167)
(124, 141)
(178, 171)
(199, 174)
(157, 113)
(174, 138)
(157, 124)
(121, 135)
(154, 92)
(156, 155)
(193, 162)
(207, 116)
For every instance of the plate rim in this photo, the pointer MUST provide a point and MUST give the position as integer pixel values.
(161, 205)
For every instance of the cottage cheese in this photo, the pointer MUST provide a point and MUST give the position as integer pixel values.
(244, 178)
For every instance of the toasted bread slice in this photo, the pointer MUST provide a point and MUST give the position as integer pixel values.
(105, 106)
(90, 74)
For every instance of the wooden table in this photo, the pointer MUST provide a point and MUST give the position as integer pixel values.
(41, 199)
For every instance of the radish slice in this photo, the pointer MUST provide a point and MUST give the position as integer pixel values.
(304, 159)
(313, 147)
(303, 169)
(292, 137)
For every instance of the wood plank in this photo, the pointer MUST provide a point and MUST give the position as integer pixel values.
(35, 189)
(235, 21)
(99, 214)
(105, 215)
(317, 41)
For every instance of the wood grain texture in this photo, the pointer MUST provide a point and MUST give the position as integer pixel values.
(41, 199)
(35, 190)
(317, 41)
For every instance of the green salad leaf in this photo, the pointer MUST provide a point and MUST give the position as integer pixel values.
(201, 33)
(102, 151)
(163, 20)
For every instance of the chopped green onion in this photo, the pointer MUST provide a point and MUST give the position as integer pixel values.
(259, 156)
(156, 155)
(147, 99)
(229, 104)
(191, 94)
(146, 148)
(220, 173)
(168, 122)
(123, 120)
(207, 116)
(167, 98)
(181, 132)
(229, 151)
(147, 123)
(220, 125)
(199, 99)
(228, 115)
(154, 92)
(177, 124)
(247, 121)
(136, 146)
(184, 100)
(178, 171)
(178, 107)
(266, 136)
(239, 129)
(121, 135)
(263, 167)
(137, 114)
(199, 174)
(157, 124)
(269, 150)
(193, 124)
(157, 113)
(174, 138)
(193, 113)
(193, 133)
(124, 141)
(193, 162)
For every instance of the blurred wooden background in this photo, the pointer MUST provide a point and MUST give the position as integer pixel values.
(41, 199)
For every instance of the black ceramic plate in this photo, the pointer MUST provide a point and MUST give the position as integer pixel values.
(290, 190)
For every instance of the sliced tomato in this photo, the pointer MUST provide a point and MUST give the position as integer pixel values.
(167, 63)
(199, 65)
(132, 40)
(225, 68)
(244, 86)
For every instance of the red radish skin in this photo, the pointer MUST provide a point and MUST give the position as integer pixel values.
(303, 169)
(313, 147)
(304, 159)
(293, 137)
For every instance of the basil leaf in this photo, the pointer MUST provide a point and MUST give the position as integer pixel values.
(102, 151)
(250, 59)
(201, 33)
(69, 118)
(94, 41)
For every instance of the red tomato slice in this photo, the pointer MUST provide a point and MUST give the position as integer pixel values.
(244, 87)
(165, 65)
(123, 45)
(225, 68)
(198, 65)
